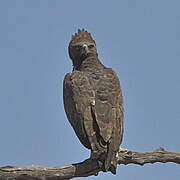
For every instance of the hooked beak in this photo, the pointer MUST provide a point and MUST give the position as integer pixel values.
(86, 49)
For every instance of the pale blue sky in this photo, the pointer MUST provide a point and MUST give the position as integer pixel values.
(139, 39)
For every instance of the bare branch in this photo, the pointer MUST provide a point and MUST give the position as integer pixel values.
(86, 168)
(141, 158)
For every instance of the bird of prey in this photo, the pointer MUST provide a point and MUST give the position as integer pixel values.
(93, 102)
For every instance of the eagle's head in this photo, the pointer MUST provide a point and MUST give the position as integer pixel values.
(81, 47)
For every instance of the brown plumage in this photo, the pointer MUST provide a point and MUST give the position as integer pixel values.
(93, 101)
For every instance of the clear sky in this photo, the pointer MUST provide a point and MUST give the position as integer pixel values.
(139, 39)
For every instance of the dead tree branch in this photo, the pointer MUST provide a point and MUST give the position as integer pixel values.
(86, 168)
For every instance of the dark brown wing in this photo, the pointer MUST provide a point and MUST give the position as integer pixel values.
(108, 110)
(78, 96)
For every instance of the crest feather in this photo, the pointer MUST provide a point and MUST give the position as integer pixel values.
(81, 36)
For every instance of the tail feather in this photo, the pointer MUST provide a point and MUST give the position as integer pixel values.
(110, 163)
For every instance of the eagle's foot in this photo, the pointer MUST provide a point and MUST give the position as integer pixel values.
(125, 153)
(123, 150)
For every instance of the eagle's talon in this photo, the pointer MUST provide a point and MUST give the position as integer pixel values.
(123, 150)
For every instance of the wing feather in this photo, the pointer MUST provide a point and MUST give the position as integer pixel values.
(109, 115)
(94, 107)
(108, 100)
(78, 96)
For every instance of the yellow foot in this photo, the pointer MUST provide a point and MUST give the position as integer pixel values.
(123, 150)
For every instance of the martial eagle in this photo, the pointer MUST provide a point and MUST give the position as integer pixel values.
(93, 101)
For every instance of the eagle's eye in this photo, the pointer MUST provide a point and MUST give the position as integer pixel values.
(91, 46)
